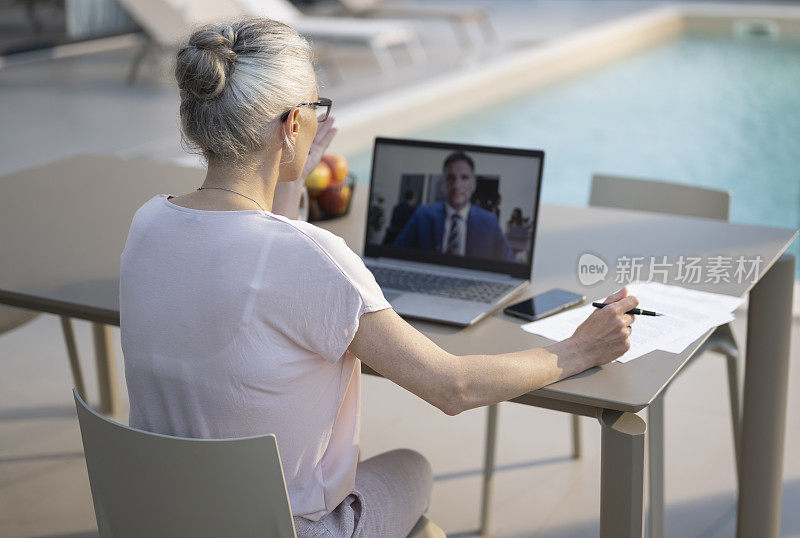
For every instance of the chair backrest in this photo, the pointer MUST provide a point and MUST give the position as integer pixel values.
(360, 6)
(145, 484)
(168, 22)
(279, 10)
(659, 197)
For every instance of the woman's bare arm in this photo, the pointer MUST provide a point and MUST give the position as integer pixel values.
(394, 349)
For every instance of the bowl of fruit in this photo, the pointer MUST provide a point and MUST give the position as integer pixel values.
(330, 188)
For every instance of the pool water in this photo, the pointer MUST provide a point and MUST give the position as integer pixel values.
(709, 111)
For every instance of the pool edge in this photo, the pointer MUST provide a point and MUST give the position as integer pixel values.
(474, 87)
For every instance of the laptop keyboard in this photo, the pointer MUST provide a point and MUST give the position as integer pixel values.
(481, 291)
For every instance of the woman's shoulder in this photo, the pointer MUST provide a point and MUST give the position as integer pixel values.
(325, 244)
(144, 216)
(338, 263)
(332, 253)
(312, 233)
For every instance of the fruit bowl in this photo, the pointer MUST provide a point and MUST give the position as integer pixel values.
(331, 202)
(330, 188)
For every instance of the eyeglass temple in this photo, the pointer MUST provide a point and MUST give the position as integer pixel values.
(327, 104)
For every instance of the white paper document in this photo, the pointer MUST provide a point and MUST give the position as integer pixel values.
(688, 314)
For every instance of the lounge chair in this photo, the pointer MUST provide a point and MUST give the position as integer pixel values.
(461, 17)
(378, 35)
(167, 22)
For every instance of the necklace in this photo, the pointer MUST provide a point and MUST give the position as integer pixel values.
(234, 192)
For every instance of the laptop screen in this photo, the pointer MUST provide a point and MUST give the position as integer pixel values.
(454, 204)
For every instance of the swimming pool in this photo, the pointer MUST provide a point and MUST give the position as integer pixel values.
(718, 112)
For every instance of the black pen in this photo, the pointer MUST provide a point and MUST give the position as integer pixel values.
(634, 312)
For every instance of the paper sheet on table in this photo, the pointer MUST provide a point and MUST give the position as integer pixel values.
(688, 314)
(703, 309)
(679, 344)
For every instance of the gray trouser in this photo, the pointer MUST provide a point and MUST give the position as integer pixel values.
(392, 491)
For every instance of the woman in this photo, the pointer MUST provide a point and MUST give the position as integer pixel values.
(517, 219)
(237, 320)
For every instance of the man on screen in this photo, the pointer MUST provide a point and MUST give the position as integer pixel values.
(455, 226)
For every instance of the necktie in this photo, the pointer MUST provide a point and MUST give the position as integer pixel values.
(452, 238)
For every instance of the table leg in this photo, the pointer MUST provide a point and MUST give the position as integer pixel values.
(106, 369)
(655, 466)
(488, 468)
(72, 354)
(769, 325)
(621, 474)
(576, 436)
(732, 366)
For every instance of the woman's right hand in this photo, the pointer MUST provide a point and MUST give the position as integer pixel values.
(603, 337)
(325, 133)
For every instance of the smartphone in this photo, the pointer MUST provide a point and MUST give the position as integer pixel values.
(545, 304)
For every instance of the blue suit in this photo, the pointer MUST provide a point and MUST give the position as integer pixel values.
(484, 238)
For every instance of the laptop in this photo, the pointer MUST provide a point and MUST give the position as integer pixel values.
(451, 227)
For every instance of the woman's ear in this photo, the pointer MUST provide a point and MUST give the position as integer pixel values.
(291, 127)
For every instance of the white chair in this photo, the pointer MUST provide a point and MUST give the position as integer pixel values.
(146, 484)
(460, 16)
(658, 197)
(378, 35)
(167, 22)
(674, 199)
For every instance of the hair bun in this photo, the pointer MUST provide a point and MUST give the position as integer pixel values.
(206, 63)
(228, 115)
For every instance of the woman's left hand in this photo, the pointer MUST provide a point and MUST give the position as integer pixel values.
(325, 133)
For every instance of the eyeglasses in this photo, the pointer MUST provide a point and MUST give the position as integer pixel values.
(322, 103)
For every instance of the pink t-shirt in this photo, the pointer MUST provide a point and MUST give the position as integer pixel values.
(237, 323)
